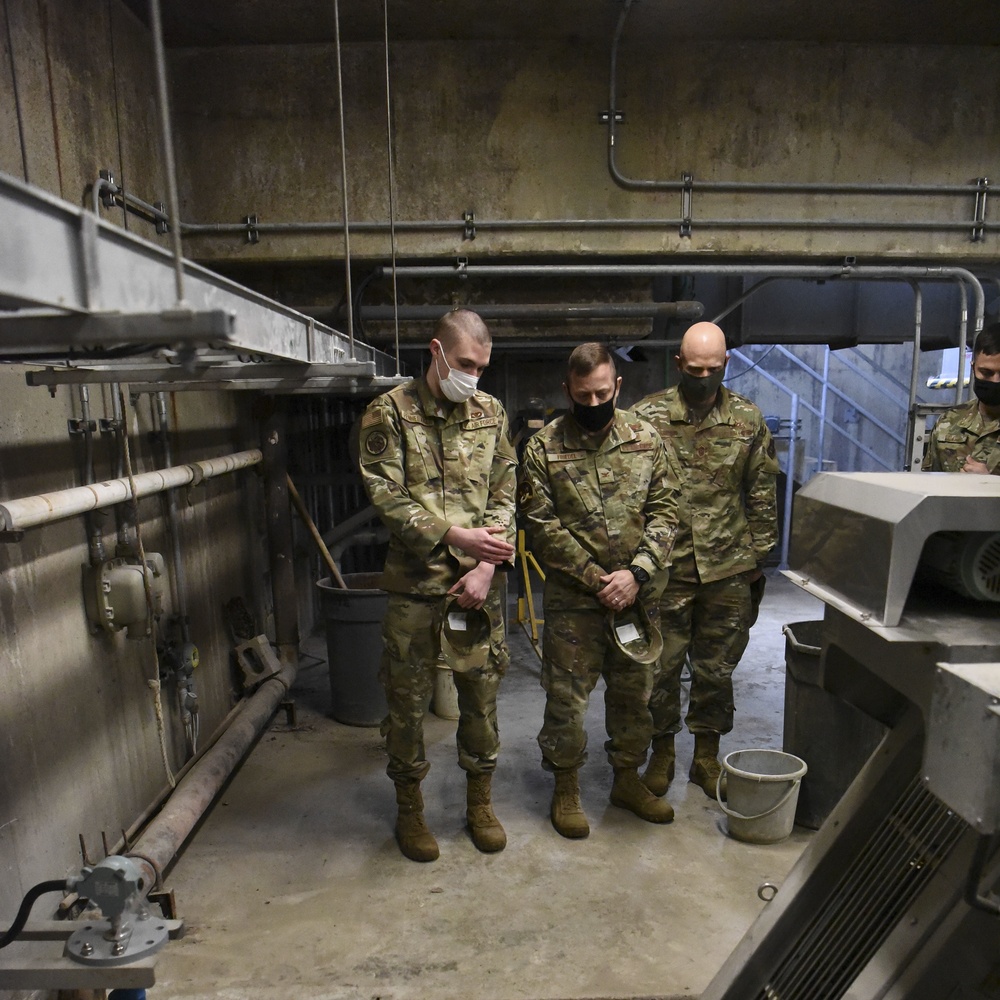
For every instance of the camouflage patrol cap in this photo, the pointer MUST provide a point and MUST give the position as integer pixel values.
(634, 634)
(465, 636)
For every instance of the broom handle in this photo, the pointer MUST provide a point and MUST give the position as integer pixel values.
(314, 531)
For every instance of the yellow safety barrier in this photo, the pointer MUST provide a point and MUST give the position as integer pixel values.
(526, 616)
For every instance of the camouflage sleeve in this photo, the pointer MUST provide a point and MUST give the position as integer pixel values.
(500, 506)
(548, 539)
(382, 455)
(932, 460)
(660, 510)
(760, 493)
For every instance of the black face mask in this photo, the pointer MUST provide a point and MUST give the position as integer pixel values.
(698, 390)
(987, 392)
(594, 418)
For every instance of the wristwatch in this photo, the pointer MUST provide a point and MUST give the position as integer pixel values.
(641, 576)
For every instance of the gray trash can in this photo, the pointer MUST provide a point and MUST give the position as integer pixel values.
(354, 647)
(832, 736)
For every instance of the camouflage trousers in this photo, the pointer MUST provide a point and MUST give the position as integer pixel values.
(709, 623)
(411, 655)
(576, 651)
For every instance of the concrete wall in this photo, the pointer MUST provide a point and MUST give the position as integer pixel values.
(511, 131)
(79, 739)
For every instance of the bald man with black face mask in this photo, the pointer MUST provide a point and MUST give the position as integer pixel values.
(727, 511)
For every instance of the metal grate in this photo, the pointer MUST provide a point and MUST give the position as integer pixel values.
(889, 871)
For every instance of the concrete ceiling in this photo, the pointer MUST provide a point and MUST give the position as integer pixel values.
(654, 22)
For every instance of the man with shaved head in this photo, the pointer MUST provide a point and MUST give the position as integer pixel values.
(439, 467)
(725, 457)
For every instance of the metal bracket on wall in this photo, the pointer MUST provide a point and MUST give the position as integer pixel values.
(469, 220)
(253, 233)
(687, 200)
(603, 117)
(979, 209)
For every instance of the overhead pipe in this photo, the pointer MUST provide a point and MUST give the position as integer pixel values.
(761, 187)
(527, 311)
(465, 226)
(27, 512)
(849, 271)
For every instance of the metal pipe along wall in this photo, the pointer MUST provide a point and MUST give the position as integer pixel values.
(27, 512)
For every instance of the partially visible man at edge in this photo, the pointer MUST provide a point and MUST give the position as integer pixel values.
(966, 438)
(725, 457)
(599, 507)
(438, 465)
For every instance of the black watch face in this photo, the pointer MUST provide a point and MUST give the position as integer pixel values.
(640, 574)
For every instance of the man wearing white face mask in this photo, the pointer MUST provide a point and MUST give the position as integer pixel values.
(438, 465)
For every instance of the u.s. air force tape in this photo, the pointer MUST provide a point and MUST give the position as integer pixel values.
(376, 443)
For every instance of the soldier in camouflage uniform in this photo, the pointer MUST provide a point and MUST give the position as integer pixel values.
(723, 451)
(438, 465)
(966, 438)
(599, 507)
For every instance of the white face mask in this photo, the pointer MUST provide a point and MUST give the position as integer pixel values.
(457, 386)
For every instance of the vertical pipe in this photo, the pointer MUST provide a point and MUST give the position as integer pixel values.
(178, 576)
(786, 526)
(911, 416)
(392, 198)
(163, 106)
(963, 344)
(95, 537)
(343, 177)
(274, 448)
(821, 444)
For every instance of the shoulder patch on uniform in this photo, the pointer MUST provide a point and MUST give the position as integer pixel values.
(770, 449)
(376, 442)
(525, 492)
(372, 417)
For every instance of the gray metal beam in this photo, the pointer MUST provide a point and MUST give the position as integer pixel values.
(58, 257)
(349, 376)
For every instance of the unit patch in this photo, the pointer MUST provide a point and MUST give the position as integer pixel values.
(525, 492)
(376, 443)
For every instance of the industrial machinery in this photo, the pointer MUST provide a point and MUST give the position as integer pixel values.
(896, 895)
(113, 945)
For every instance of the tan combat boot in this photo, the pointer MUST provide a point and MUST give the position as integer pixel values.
(487, 833)
(567, 814)
(706, 770)
(415, 841)
(660, 769)
(628, 792)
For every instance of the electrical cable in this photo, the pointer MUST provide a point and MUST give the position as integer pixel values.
(53, 885)
(154, 682)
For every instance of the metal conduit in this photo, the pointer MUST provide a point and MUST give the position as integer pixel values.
(523, 310)
(27, 512)
(165, 835)
(977, 190)
(129, 201)
(805, 271)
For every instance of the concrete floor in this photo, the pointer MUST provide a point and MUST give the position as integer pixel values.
(294, 886)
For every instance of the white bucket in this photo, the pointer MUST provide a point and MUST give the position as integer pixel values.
(445, 701)
(762, 793)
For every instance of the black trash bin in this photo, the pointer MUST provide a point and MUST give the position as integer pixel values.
(832, 736)
(354, 647)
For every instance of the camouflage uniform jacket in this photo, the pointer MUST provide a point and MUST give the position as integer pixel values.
(727, 466)
(428, 465)
(594, 506)
(960, 433)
